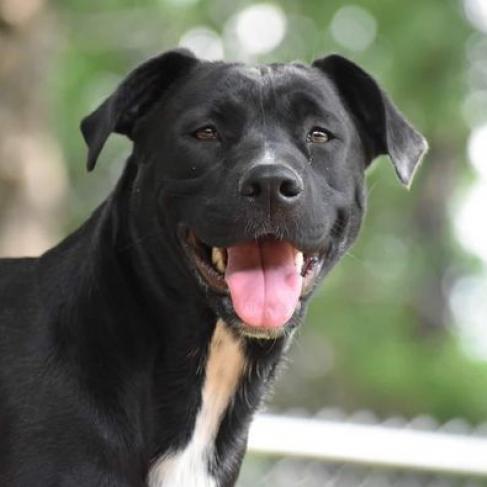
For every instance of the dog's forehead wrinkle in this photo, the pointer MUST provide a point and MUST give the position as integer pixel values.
(222, 85)
(253, 72)
(267, 74)
(256, 72)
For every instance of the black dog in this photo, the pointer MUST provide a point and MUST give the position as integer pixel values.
(136, 352)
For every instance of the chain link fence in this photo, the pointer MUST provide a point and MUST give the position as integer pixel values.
(331, 450)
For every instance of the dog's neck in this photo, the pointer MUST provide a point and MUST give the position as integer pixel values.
(224, 404)
(165, 338)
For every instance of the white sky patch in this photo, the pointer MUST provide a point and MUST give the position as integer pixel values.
(353, 27)
(469, 306)
(204, 42)
(476, 13)
(477, 151)
(474, 108)
(471, 221)
(260, 28)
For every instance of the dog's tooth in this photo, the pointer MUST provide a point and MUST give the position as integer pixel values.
(299, 261)
(218, 259)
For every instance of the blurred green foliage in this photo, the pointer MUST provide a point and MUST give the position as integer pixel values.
(379, 333)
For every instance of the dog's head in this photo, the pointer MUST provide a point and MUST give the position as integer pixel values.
(256, 173)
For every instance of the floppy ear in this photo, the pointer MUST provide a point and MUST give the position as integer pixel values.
(386, 129)
(132, 99)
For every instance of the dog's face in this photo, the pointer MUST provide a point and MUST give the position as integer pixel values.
(256, 172)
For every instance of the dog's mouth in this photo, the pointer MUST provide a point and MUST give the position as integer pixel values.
(266, 279)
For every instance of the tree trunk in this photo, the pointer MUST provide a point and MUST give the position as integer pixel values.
(32, 177)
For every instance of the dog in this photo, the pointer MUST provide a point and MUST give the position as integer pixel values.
(136, 351)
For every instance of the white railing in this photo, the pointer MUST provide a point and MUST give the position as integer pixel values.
(369, 445)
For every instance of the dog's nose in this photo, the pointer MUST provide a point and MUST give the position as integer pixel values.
(272, 182)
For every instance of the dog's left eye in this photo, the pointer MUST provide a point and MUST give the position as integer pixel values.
(206, 133)
(317, 135)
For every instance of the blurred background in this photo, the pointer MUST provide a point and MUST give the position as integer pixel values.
(399, 329)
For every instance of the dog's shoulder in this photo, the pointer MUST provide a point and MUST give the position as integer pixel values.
(19, 306)
(16, 277)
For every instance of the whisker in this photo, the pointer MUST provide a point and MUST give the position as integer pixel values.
(355, 258)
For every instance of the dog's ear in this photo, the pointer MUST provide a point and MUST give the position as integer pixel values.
(132, 99)
(386, 129)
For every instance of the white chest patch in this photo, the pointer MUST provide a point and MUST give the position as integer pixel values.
(189, 467)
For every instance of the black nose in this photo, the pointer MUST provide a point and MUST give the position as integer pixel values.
(271, 182)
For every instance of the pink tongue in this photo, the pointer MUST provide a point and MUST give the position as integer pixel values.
(264, 283)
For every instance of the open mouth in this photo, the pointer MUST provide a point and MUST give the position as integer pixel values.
(265, 278)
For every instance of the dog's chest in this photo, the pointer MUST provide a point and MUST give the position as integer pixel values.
(191, 466)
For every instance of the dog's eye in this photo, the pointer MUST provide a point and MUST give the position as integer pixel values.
(318, 135)
(206, 133)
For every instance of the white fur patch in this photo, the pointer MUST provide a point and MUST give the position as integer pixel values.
(268, 157)
(189, 467)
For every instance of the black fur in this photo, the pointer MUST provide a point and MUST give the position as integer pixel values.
(104, 338)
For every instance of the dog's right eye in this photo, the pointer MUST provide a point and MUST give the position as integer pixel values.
(206, 133)
(317, 135)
